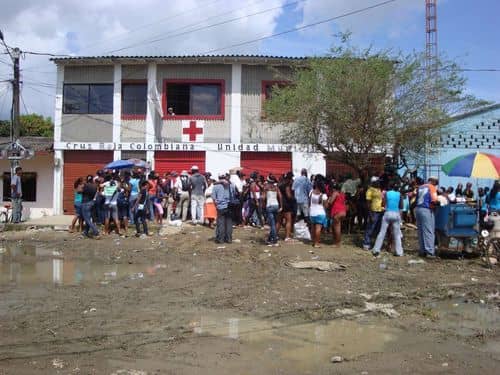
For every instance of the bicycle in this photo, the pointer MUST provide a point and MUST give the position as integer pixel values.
(6, 213)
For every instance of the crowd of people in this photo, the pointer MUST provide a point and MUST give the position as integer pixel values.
(328, 205)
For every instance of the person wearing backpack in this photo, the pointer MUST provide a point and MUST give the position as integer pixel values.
(197, 187)
(140, 210)
(182, 189)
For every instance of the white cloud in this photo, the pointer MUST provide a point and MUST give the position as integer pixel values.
(95, 27)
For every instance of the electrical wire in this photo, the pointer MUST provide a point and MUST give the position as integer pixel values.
(146, 42)
(313, 24)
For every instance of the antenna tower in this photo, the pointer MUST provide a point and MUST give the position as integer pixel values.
(431, 46)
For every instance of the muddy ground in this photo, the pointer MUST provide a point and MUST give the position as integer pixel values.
(181, 304)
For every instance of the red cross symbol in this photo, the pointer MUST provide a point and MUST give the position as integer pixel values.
(192, 131)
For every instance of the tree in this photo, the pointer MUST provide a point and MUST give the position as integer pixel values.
(353, 104)
(32, 125)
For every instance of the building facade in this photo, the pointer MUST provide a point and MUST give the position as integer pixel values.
(476, 131)
(173, 112)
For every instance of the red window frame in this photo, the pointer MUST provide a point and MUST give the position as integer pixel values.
(134, 82)
(264, 97)
(220, 82)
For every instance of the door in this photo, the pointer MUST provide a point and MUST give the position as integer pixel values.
(168, 161)
(80, 164)
(265, 163)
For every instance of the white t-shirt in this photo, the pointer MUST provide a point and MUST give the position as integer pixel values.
(317, 208)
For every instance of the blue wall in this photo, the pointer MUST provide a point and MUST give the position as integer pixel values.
(478, 132)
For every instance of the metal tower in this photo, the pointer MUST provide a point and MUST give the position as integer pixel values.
(431, 46)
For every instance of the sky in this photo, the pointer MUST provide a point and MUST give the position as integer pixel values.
(467, 33)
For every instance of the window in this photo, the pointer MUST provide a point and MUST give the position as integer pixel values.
(134, 99)
(28, 184)
(267, 88)
(194, 99)
(88, 98)
(267, 91)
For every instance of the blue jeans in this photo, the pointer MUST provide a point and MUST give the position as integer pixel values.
(131, 200)
(272, 214)
(87, 217)
(392, 218)
(374, 219)
(426, 230)
(17, 209)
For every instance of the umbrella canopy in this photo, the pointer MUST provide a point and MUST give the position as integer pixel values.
(138, 163)
(119, 164)
(476, 165)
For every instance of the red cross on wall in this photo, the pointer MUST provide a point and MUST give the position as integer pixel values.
(192, 131)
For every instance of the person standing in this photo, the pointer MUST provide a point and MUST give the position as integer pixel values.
(393, 202)
(140, 208)
(338, 213)
(197, 187)
(89, 195)
(16, 195)
(301, 188)
(424, 212)
(375, 211)
(273, 200)
(318, 201)
(221, 195)
(182, 191)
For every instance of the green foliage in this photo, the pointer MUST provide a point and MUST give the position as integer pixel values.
(354, 103)
(32, 125)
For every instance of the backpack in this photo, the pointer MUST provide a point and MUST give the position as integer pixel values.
(184, 183)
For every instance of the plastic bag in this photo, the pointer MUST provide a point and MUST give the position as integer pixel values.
(301, 230)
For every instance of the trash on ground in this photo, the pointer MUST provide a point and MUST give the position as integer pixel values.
(301, 230)
(345, 312)
(136, 276)
(366, 296)
(416, 261)
(384, 308)
(221, 247)
(336, 359)
(319, 265)
(57, 363)
(237, 240)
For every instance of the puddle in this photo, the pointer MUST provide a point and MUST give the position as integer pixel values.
(24, 265)
(306, 345)
(466, 319)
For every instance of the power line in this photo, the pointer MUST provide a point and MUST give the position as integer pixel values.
(358, 11)
(161, 20)
(145, 42)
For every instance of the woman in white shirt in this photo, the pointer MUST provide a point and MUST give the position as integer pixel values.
(317, 202)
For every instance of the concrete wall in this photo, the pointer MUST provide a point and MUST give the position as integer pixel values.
(482, 130)
(254, 129)
(43, 165)
(215, 130)
(87, 127)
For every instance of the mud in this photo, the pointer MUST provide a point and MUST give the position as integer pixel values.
(181, 304)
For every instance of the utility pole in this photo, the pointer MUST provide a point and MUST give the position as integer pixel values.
(15, 152)
(16, 124)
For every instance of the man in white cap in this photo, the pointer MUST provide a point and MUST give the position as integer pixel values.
(197, 187)
(182, 189)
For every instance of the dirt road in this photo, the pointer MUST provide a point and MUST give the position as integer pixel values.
(181, 304)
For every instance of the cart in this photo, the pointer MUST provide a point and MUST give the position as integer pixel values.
(456, 224)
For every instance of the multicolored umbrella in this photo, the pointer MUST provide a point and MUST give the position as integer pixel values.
(476, 165)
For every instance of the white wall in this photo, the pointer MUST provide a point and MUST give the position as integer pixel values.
(221, 162)
(43, 165)
(314, 163)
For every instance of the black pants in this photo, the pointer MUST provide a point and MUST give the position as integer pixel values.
(140, 217)
(224, 228)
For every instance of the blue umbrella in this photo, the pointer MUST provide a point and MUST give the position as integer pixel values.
(119, 164)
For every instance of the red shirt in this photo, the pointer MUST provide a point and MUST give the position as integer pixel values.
(338, 205)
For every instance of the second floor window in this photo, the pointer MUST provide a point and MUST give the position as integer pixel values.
(88, 99)
(195, 98)
(134, 99)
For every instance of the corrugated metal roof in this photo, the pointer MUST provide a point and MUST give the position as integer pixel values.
(35, 143)
(166, 59)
